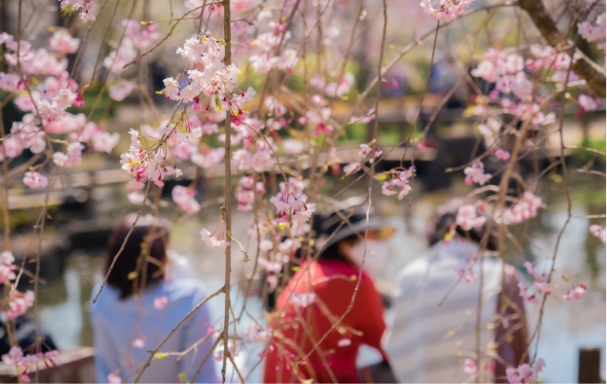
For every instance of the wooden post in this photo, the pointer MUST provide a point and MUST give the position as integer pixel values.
(589, 365)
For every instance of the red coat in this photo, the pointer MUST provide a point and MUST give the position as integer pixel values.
(296, 330)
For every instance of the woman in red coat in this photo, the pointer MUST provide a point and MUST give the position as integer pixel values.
(330, 307)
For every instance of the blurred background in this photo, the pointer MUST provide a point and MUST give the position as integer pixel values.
(93, 197)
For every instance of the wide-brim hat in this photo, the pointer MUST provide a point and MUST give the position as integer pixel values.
(351, 221)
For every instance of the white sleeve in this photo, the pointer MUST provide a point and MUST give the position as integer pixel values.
(106, 359)
(195, 330)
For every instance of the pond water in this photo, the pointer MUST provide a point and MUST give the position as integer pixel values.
(567, 326)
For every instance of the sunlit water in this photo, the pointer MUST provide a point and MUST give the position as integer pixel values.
(567, 326)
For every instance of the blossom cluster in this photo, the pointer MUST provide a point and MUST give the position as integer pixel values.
(467, 217)
(7, 269)
(445, 10)
(25, 363)
(70, 6)
(525, 373)
(598, 231)
(402, 181)
(594, 32)
(291, 204)
(525, 209)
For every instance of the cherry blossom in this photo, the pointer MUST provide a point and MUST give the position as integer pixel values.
(118, 58)
(74, 5)
(256, 334)
(587, 103)
(35, 180)
(525, 209)
(302, 300)
(575, 293)
(523, 292)
(140, 33)
(293, 147)
(6, 267)
(541, 277)
(593, 32)
(467, 217)
(445, 10)
(525, 373)
(402, 181)
(502, 154)
(62, 42)
(291, 204)
(25, 363)
(105, 141)
(121, 90)
(466, 274)
(475, 174)
(73, 156)
(365, 119)
(19, 303)
(598, 231)
(210, 240)
(470, 366)
(344, 343)
(184, 198)
(160, 302)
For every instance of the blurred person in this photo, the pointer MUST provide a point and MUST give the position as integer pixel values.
(326, 303)
(139, 307)
(432, 335)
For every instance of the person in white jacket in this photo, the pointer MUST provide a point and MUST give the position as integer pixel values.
(140, 306)
(439, 333)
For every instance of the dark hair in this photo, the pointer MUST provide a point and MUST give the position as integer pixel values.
(127, 275)
(445, 221)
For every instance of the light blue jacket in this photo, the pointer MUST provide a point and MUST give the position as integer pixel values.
(120, 326)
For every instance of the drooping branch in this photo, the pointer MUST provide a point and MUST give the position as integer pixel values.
(583, 67)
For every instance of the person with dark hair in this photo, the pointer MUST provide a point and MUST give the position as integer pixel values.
(330, 306)
(141, 304)
(440, 333)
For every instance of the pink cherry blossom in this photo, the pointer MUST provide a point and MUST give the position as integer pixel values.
(139, 342)
(445, 10)
(467, 217)
(401, 181)
(587, 103)
(525, 209)
(344, 343)
(593, 32)
(19, 303)
(466, 274)
(501, 154)
(523, 292)
(141, 34)
(6, 267)
(302, 300)
(121, 56)
(62, 42)
(525, 373)
(35, 180)
(160, 302)
(291, 205)
(365, 119)
(114, 379)
(73, 156)
(293, 147)
(210, 240)
(184, 198)
(541, 277)
(470, 366)
(475, 174)
(575, 293)
(598, 231)
(121, 90)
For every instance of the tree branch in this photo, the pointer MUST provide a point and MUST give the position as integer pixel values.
(583, 67)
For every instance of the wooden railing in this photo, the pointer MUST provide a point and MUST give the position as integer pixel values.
(73, 366)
